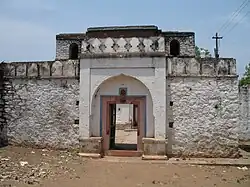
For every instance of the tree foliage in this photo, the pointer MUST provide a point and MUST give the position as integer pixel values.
(245, 80)
(200, 50)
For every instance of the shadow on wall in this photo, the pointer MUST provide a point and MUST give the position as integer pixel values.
(3, 121)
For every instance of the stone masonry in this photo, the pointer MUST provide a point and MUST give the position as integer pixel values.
(244, 136)
(41, 104)
(195, 107)
(204, 114)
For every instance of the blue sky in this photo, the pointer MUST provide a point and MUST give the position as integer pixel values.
(28, 27)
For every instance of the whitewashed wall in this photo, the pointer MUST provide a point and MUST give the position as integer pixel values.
(142, 76)
(124, 113)
(244, 127)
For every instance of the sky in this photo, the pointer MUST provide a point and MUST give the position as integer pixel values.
(29, 27)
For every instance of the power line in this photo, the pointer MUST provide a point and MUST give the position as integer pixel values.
(237, 22)
(234, 15)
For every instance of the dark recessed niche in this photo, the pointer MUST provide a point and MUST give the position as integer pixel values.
(171, 103)
(76, 121)
(77, 103)
(171, 124)
(216, 106)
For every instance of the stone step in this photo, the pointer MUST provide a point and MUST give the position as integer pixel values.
(123, 153)
(90, 155)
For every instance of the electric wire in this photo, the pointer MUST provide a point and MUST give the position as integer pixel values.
(237, 23)
(233, 16)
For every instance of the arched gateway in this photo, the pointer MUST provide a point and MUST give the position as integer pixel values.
(109, 101)
(123, 92)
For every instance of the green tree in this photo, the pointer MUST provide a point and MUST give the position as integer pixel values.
(198, 52)
(245, 80)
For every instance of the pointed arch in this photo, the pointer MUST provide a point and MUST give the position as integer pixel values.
(110, 86)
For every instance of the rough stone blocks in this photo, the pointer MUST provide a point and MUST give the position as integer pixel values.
(91, 145)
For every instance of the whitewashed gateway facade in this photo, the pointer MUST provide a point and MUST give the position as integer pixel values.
(185, 106)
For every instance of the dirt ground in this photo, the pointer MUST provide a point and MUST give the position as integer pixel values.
(22, 167)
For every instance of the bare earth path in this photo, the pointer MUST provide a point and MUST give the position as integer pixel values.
(22, 167)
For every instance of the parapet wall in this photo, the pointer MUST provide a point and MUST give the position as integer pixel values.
(100, 42)
(205, 67)
(43, 69)
(41, 103)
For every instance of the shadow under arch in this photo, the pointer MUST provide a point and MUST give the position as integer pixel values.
(110, 87)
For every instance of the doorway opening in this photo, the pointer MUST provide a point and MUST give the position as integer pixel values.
(123, 126)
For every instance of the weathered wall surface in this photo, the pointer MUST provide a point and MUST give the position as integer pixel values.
(244, 93)
(100, 46)
(62, 48)
(205, 111)
(186, 40)
(143, 76)
(124, 113)
(42, 104)
(3, 124)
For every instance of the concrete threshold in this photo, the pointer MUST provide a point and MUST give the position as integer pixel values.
(90, 155)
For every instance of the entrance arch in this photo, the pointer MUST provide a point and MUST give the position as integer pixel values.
(110, 87)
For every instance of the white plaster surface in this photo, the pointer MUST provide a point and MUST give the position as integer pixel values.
(124, 113)
(142, 76)
(126, 137)
(111, 87)
(199, 128)
(123, 45)
(43, 112)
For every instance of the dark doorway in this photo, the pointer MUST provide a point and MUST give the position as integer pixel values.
(73, 51)
(123, 126)
(175, 48)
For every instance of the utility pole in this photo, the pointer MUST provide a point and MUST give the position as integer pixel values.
(216, 50)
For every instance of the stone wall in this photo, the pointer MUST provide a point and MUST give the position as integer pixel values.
(3, 124)
(143, 40)
(186, 40)
(42, 104)
(62, 48)
(244, 93)
(204, 112)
